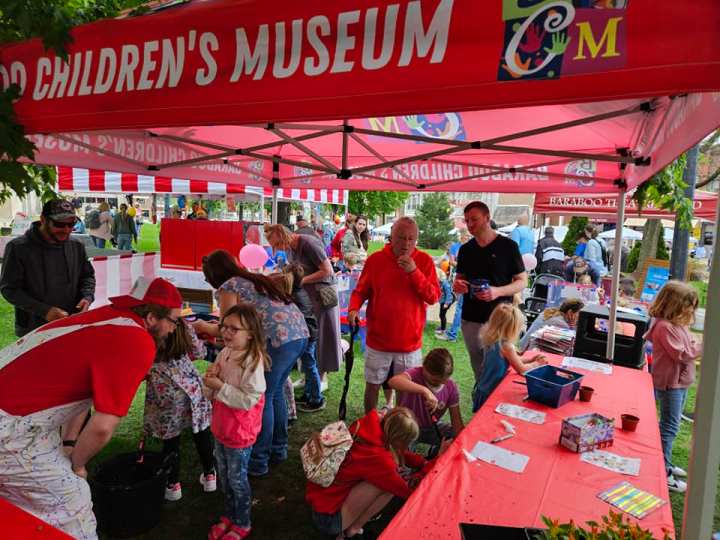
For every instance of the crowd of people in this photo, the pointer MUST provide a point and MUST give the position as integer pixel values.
(238, 411)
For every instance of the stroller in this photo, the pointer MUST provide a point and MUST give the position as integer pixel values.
(535, 303)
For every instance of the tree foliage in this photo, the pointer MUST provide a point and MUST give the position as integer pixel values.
(433, 220)
(633, 261)
(666, 190)
(372, 204)
(577, 225)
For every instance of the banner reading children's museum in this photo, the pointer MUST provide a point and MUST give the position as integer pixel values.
(240, 62)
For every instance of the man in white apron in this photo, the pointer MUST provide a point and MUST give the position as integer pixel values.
(98, 357)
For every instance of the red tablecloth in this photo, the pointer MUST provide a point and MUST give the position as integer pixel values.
(17, 523)
(555, 482)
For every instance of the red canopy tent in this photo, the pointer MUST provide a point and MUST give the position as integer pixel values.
(569, 96)
(604, 206)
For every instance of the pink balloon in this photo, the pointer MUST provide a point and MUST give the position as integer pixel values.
(530, 261)
(253, 256)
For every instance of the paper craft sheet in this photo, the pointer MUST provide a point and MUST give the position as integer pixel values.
(521, 413)
(634, 501)
(500, 457)
(589, 365)
(612, 462)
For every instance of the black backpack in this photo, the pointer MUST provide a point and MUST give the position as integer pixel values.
(92, 220)
(605, 256)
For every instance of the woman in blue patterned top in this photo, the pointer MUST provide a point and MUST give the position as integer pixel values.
(287, 336)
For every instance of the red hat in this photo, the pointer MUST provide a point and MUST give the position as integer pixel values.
(158, 291)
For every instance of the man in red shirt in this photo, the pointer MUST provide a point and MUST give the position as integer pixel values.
(399, 283)
(57, 371)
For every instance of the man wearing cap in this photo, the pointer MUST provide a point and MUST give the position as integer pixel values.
(46, 274)
(54, 373)
(550, 254)
(302, 226)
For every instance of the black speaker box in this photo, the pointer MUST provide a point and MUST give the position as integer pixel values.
(591, 337)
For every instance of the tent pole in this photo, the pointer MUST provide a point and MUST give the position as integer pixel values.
(344, 160)
(705, 453)
(617, 253)
(273, 218)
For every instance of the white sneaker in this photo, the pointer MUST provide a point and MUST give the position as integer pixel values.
(209, 482)
(678, 472)
(173, 492)
(678, 486)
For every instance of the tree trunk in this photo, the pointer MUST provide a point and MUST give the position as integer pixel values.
(681, 237)
(651, 232)
(283, 210)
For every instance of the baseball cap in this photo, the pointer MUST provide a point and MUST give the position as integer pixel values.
(58, 210)
(158, 291)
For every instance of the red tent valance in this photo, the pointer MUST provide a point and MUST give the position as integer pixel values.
(604, 206)
(96, 181)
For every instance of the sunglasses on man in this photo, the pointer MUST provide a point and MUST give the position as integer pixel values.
(63, 224)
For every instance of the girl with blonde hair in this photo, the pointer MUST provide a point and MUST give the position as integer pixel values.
(673, 369)
(498, 339)
(368, 477)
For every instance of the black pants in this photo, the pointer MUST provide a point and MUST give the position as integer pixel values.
(443, 316)
(203, 443)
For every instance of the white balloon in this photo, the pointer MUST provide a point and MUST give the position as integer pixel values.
(530, 261)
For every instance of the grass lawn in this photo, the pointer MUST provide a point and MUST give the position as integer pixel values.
(149, 238)
(701, 288)
(279, 510)
(377, 245)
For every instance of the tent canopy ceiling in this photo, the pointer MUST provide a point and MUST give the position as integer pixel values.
(564, 96)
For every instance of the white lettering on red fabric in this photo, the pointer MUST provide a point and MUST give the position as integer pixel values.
(366, 39)
(369, 60)
(208, 42)
(316, 27)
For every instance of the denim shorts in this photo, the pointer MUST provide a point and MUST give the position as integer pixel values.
(330, 524)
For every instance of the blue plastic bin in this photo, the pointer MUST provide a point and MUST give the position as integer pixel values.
(552, 386)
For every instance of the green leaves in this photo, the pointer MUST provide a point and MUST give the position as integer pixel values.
(577, 225)
(666, 190)
(433, 219)
(614, 526)
(375, 203)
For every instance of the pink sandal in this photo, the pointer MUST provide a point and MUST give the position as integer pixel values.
(237, 533)
(218, 530)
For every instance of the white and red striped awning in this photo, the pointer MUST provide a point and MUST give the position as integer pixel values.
(79, 180)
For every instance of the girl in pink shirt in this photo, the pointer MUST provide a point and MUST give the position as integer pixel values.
(674, 354)
(236, 385)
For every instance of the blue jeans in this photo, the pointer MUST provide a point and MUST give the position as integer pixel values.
(672, 404)
(312, 375)
(453, 330)
(124, 241)
(232, 468)
(98, 242)
(273, 438)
